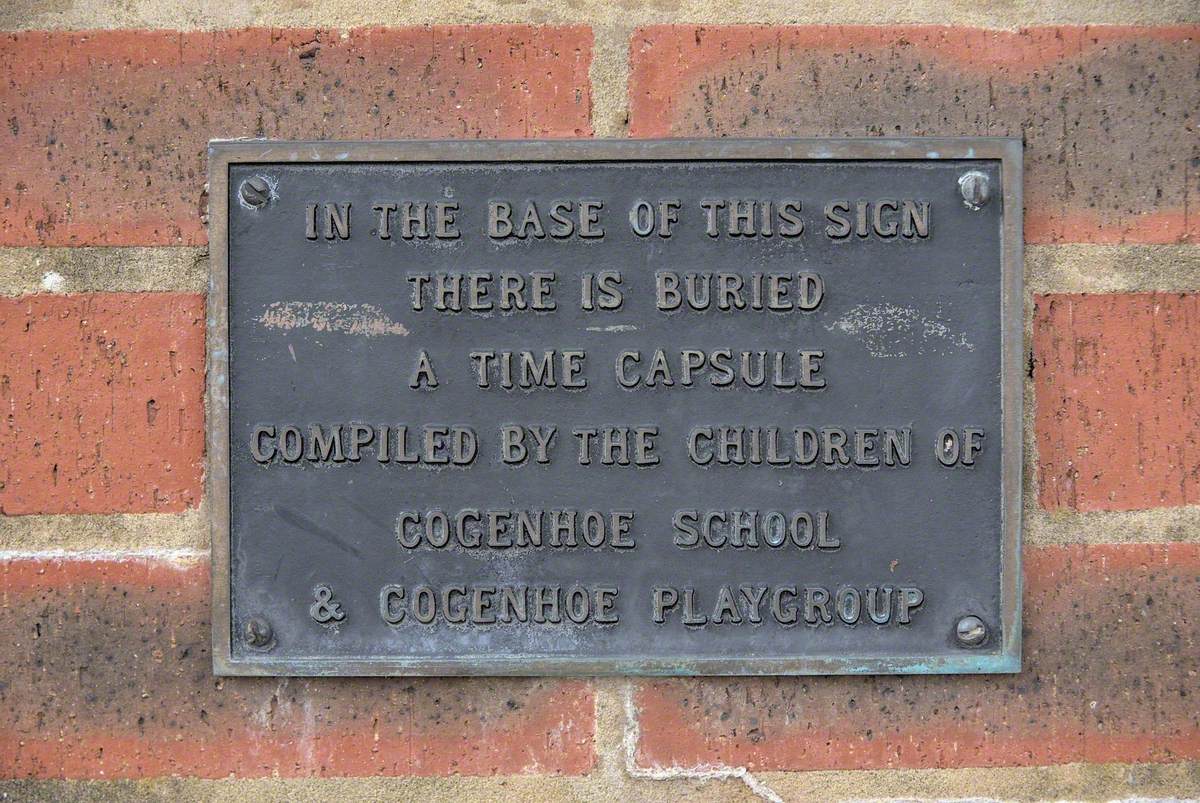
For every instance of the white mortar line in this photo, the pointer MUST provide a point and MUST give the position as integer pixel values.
(609, 79)
(703, 772)
(95, 555)
(1058, 268)
(338, 16)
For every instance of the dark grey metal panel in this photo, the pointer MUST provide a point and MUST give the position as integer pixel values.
(919, 333)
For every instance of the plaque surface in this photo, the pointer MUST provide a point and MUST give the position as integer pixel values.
(674, 407)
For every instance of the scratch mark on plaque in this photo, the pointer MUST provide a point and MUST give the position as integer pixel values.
(888, 330)
(302, 522)
(292, 351)
(320, 316)
(367, 513)
(619, 327)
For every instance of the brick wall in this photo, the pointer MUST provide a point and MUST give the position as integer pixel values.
(106, 690)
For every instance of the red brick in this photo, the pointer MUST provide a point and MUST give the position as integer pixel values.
(1108, 113)
(104, 132)
(104, 403)
(1111, 674)
(108, 674)
(1118, 417)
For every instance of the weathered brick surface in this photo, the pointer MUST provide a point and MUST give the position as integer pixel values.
(107, 674)
(1111, 673)
(103, 403)
(104, 132)
(1108, 113)
(1118, 416)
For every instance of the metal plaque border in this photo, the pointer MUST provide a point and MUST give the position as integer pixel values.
(1002, 657)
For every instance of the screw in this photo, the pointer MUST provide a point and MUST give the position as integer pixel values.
(976, 189)
(255, 191)
(258, 632)
(970, 631)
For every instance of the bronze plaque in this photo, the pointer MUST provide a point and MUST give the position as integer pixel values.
(672, 407)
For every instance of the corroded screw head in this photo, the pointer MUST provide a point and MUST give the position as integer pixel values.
(970, 631)
(976, 189)
(257, 632)
(255, 191)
